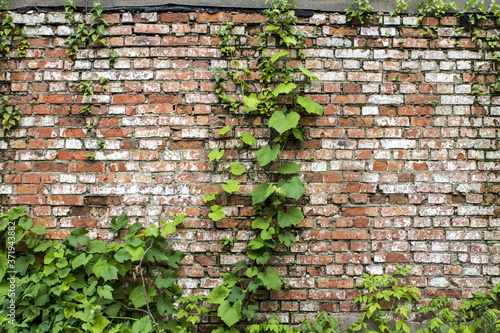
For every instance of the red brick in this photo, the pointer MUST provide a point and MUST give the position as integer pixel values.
(128, 99)
(359, 211)
(65, 200)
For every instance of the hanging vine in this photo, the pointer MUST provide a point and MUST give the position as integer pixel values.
(277, 96)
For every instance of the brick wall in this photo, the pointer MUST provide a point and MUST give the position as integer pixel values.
(402, 168)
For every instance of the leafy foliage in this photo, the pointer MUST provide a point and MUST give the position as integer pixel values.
(378, 289)
(78, 284)
(84, 34)
(359, 9)
(434, 8)
(10, 33)
(322, 324)
(480, 314)
(10, 114)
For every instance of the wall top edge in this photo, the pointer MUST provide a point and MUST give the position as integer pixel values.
(209, 5)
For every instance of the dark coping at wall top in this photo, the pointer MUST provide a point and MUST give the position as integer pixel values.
(210, 5)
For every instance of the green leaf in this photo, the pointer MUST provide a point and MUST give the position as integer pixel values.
(260, 193)
(290, 40)
(16, 212)
(267, 234)
(232, 186)
(284, 88)
(96, 246)
(4, 265)
(251, 103)
(248, 138)
(297, 133)
(143, 325)
(308, 73)
(133, 240)
(266, 155)
(217, 213)
(271, 280)
(278, 55)
(236, 294)
(249, 313)
(251, 272)
(119, 222)
(230, 314)
(99, 324)
(289, 168)
(256, 244)
(287, 238)
(310, 106)
(81, 260)
(225, 129)
(122, 255)
(179, 219)
(293, 188)
(283, 123)
(135, 252)
(22, 264)
(218, 295)
(25, 223)
(137, 295)
(110, 273)
(237, 169)
(215, 154)
(105, 291)
(210, 197)
(259, 223)
(293, 217)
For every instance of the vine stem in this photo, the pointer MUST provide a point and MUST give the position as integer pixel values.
(124, 318)
(144, 288)
(129, 308)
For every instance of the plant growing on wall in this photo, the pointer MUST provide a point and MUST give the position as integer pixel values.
(9, 114)
(275, 204)
(10, 33)
(79, 284)
(85, 34)
(360, 10)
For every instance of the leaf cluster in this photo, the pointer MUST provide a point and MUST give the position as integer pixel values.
(359, 9)
(280, 100)
(480, 314)
(322, 324)
(380, 289)
(82, 285)
(9, 114)
(85, 34)
(10, 33)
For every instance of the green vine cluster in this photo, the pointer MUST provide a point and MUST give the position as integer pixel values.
(87, 90)
(362, 11)
(275, 204)
(9, 114)
(84, 285)
(85, 34)
(10, 33)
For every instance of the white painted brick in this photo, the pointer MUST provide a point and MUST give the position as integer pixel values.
(369, 110)
(385, 99)
(441, 77)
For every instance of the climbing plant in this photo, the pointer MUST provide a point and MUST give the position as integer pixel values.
(279, 97)
(85, 34)
(9, 114)
(11, 33)
(78, 284)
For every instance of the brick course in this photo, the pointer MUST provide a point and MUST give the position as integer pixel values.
(402, 168)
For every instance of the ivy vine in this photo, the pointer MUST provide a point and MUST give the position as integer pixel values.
(280, 98)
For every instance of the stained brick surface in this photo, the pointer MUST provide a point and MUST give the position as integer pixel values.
(402, 168)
